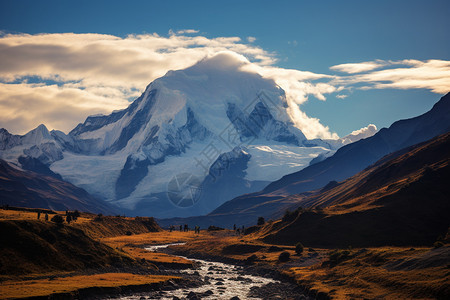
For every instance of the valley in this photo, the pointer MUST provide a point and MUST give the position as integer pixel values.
(125, 267)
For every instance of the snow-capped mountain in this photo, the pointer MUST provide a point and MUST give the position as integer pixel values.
(211, 127)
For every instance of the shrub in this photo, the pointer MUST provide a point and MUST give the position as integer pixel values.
(274, 249)
(252, 258)
(261, 221)
(57, 219)
(128, 233)
(438, 244)
(338, 256)
(215, 228)
(299, 248)
(291, 215)
(284, 256)
(99, 217)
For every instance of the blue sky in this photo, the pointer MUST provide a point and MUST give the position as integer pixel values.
(304, 35)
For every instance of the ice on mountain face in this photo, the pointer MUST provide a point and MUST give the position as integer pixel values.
(225, 160)
(96, 174)
(37, 136)
(270, 162)
(8, 140)
(158, 175)
(261, 124)
(47, 153)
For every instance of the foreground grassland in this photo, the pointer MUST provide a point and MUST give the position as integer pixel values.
(40, 258)
(369, 273)
(13, 289)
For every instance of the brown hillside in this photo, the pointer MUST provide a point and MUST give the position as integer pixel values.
(400, 201)
(107, 226)
(42, 247)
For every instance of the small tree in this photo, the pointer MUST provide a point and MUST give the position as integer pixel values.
(299, 248)
(284, 256)
(57, 219)
(75, 215)
(261, 221)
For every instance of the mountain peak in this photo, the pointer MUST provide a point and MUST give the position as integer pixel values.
(37, 135)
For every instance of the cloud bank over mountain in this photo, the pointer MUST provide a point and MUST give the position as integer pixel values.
(60, 79)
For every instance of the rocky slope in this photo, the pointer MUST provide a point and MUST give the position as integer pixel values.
(401, 200)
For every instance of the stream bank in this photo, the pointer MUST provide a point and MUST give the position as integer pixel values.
(226, 280)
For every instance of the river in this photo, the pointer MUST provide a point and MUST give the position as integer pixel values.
(222, 281)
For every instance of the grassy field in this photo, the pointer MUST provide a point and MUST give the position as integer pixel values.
(133, 245)
(40, 258)
(43, 287)
(370, 273)
(379, 273)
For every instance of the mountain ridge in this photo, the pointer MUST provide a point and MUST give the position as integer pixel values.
(400, 200)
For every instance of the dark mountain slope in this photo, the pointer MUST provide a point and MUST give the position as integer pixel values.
(402, 200)
(29, 189)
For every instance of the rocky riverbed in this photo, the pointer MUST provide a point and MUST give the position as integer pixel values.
(218, 280)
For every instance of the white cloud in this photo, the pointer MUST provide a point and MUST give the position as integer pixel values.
(187, 31)
(83, 74)
(341, 96)
(251, 39)
(104, 70)
(362, 133)
(433, 75)
(352, 68)
(25, 106)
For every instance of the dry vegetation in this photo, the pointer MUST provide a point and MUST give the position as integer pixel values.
(39, 258)
(133, 245)
(43, 287)
(372, 273)
(380, 273)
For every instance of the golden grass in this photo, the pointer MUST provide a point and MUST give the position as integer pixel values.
(7, 214)
(156, 258)
(133, 244)
(366, 276)
(151, 238)
(44, 287)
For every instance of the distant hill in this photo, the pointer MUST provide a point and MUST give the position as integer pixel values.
(28, 189)
(402, 200)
